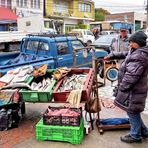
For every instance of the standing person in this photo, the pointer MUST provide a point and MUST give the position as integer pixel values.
(131, 91)
(121, 43)
(96, 34)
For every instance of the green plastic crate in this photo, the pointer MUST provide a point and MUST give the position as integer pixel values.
(38, 96)
(70, 134)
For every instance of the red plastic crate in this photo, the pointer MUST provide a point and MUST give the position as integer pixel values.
(62, 96)
(62, 120)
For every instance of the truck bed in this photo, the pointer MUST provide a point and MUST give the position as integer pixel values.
(11, 36)
(14, 60)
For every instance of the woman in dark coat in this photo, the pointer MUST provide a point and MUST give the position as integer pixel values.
(132, 88)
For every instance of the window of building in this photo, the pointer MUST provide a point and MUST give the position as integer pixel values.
(38, 4)
(31, 3)
(9, 3)
(62, 48)
(3, 3)
(21, 3)
(25, 3)
(35, 4)
(60, 6)
(83, 7)
(17, 2)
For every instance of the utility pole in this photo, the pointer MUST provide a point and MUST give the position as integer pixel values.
(44, 8)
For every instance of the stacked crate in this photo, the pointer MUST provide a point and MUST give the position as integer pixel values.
(61, 128)
(86, 91)
(38, 96)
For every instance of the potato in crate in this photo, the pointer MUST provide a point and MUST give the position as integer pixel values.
(62, 116)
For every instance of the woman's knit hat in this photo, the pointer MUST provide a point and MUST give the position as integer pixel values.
(139, 38)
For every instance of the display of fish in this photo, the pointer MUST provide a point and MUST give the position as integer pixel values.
(42, 85)
(73, 82)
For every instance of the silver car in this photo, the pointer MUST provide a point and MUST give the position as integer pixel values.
(105, 42)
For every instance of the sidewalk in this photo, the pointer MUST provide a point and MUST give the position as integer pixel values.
(24, 135)
(107, 91)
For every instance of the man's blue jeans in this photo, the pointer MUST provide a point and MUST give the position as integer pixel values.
(138, 129)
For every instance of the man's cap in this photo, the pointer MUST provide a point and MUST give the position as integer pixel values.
(139, 38)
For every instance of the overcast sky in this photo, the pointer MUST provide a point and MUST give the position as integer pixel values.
(114, 6)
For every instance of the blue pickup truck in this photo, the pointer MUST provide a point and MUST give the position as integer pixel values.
(55, 51)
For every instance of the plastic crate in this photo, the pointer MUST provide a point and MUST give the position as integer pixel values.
(62, 96)
(72, 134)
(62, 120)
(38, 96)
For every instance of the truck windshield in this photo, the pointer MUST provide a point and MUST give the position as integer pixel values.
(48, 24)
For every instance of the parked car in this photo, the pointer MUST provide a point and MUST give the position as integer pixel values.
(85, 35)
(108, 32)
(105, 42)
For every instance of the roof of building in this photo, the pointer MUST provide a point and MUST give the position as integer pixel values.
(7, 14)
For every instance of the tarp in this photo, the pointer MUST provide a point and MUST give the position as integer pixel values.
(7, 14)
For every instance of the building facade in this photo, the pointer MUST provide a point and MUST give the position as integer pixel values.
(67, 14)
(138, 20)
(71, 13)
(24, 8)
(6, 3)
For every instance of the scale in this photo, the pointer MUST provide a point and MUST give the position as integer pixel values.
(112, 74)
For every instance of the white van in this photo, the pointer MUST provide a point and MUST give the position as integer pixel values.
(85, 35)
(108, 32)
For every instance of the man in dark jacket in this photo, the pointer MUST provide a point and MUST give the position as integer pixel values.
(132, 87)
